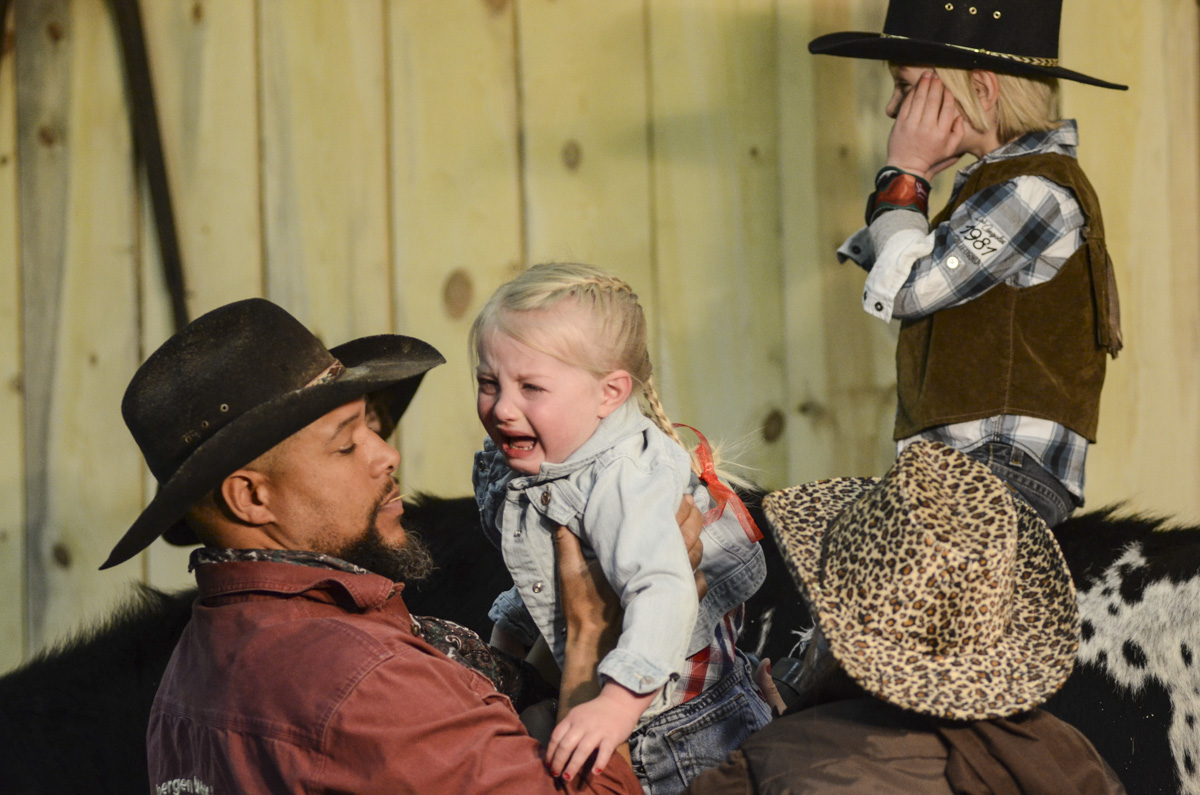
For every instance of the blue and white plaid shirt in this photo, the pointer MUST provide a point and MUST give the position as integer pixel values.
(1020, 232)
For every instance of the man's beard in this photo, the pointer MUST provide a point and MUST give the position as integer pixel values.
(408, 561)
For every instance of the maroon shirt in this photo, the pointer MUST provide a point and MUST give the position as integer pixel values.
(298, 679)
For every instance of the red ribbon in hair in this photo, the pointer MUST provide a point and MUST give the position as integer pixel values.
(721, 493)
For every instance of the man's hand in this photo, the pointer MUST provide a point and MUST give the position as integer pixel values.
(691, 522)
(593, 617)
(928, 130)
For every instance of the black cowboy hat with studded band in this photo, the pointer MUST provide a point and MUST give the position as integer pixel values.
(1018, 37)
(233, 384)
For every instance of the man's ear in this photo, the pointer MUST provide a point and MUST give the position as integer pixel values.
(247, 497)
(987, 88)
(616, 385)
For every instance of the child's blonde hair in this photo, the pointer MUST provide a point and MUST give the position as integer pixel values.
(613, 338)
(1025, 104)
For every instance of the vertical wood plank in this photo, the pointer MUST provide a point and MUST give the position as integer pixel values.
(716, 233)
(1140, 150)
(78, 252)
(840, 361)
(324, 151)
(12, 496)
(456, 212)
(587, 173)
(203, 59)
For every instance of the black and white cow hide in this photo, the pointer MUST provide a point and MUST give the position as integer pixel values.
(73, 719)
(1135, 691)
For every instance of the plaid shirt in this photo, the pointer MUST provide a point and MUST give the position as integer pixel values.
(1019, 232)
(707, 667)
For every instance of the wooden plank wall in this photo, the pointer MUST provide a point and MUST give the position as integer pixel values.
(379, 165)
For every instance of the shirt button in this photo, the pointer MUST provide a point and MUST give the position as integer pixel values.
(546, 497)
(856, 249)
(952, 263)
(878, 306)
(537, 587)
(864, 295)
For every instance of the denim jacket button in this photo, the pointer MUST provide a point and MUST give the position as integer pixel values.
(545, 498)
(537, 587)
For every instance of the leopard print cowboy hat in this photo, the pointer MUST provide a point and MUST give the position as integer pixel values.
(937, 591)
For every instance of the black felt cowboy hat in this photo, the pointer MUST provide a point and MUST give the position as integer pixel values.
(1018, 37)
(236, 382)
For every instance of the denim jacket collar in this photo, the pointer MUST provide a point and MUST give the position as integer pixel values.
(625, 421)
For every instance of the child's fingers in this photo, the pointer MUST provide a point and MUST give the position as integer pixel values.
(948, 111)
(917, 98)
(558, 750)
(579, 755)
(603, 754)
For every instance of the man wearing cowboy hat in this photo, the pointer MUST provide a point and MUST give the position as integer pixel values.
(945, 615)
(1007, 297)
(301, 668)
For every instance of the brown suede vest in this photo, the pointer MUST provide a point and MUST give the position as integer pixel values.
(1033, 351)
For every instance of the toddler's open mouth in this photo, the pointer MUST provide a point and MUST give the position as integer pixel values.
(521, 444)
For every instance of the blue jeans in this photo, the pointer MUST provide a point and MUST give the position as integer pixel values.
(683, 742)
(1028, 479)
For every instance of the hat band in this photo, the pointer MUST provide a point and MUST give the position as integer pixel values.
(1032, 60)
(330, 373)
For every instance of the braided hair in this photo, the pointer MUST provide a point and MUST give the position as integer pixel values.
(580, 315)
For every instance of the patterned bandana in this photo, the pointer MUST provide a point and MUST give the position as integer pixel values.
(206, 555)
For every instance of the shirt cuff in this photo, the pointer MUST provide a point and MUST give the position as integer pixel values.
(902, 248)
(858, 248)
(634, 672)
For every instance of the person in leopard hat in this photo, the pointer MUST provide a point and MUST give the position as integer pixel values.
(945, 616)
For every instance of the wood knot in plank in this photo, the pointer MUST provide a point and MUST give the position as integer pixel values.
(61, 554)
(572, 153)
(773, 425)
(457, 293)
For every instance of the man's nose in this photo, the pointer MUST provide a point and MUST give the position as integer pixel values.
(385, 459)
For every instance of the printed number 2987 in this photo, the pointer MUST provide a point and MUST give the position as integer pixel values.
(979, 241)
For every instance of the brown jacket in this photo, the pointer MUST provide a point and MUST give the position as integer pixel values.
(298, 679)
(863, 745)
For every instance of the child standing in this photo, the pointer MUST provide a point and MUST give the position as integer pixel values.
(1006, 297)
(561, 362)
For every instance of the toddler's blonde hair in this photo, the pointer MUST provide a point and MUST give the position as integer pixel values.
(611, 337)
(1025, 104)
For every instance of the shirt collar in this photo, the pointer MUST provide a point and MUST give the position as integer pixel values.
(1063, 139)
(207, 555)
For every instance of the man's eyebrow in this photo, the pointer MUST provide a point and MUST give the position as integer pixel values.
(341, 426)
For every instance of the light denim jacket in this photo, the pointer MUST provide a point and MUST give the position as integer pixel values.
(619, 493)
